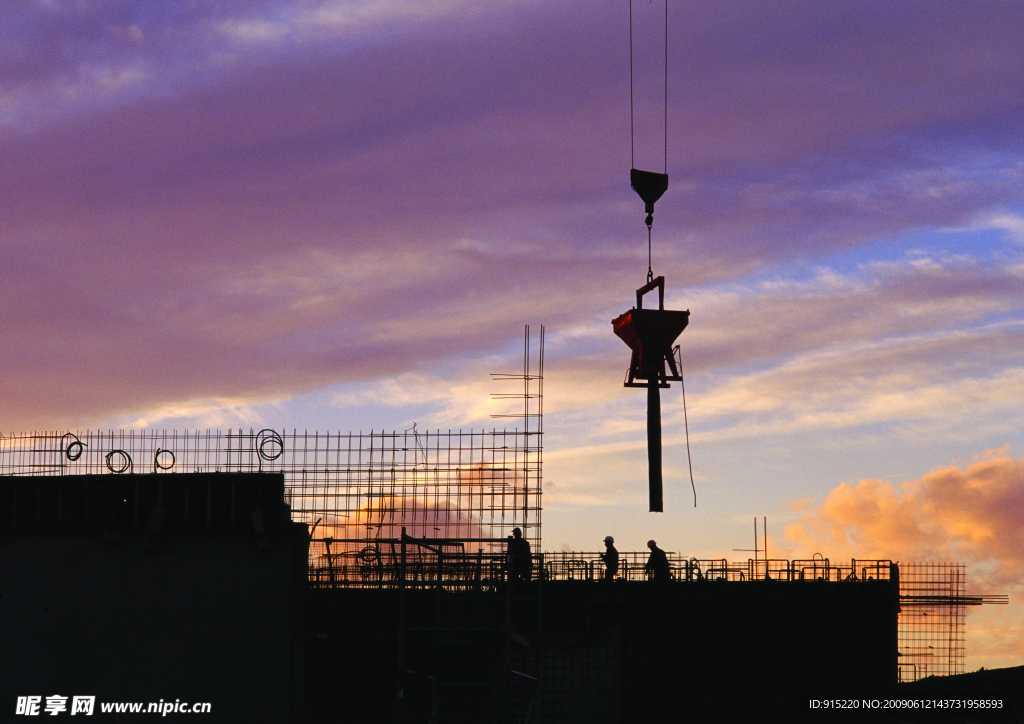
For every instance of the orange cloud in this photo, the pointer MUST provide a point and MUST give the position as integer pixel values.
(421, 519)
(971, 515)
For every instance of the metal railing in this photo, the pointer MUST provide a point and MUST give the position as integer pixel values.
(588, 566)
(481, 563)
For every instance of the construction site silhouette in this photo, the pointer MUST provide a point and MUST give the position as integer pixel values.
(311, 577)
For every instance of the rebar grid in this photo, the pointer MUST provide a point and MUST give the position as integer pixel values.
(356, 487)
(436, 485)
(931, 620)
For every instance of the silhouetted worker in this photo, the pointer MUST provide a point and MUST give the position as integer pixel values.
(657, 563)
(518, 561)
(610, 558)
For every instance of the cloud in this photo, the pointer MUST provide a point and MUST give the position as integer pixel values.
(358, 551)
(385, 516)
(887, 347)
(968, 513)
(235, 212)
(885, 383)
(254, 201)
(1010, 224)
(479, 501)
(207, 414)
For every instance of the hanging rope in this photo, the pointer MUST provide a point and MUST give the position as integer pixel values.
(686, 424)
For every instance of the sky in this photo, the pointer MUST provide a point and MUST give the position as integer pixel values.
(340, 214)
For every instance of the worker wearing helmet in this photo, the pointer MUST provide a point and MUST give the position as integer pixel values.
(610, 558)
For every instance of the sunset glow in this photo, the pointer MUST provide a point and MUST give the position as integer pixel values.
(340, 214)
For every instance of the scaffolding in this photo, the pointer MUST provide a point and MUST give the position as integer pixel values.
(433, 509)
(933, 603)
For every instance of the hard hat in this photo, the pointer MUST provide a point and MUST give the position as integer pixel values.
(517, 530)
(651, 544)
(609, 539)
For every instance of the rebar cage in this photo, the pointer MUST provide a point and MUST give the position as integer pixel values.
(932, 619)
(358, 490)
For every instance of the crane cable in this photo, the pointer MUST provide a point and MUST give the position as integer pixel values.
(632, 133)
(632, 159)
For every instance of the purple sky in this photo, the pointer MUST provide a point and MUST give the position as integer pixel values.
(341, 214)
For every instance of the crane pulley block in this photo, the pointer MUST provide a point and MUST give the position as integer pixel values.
(649, 186)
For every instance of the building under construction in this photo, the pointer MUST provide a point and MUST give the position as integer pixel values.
(311, 577)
